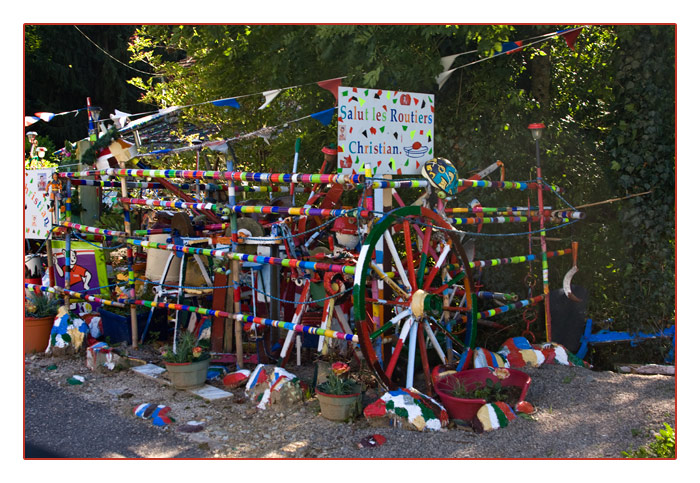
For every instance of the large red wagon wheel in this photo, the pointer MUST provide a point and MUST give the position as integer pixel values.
(427, 296)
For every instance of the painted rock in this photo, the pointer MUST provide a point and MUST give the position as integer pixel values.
(236, 379)
(519, 353)
(486, 358)
(492, 416)
(410, 409)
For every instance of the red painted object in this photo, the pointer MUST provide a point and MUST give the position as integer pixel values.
(466, 409)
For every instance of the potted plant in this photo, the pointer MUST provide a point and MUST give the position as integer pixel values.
(340, 397)
(464, 392)
(188, 362)
(39, 313)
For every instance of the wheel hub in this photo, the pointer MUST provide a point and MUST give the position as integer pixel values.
(424, 303)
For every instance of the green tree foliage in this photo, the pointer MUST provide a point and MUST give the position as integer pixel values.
(63, 68)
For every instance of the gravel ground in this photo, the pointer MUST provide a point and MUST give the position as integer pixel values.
(580, 413)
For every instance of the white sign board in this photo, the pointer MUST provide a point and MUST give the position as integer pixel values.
(391, 131)
(37, 215)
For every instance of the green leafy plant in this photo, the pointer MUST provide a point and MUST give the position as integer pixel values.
(664, 446)
(336, 384)
(491, 391)
(41, 305)
(188, 349)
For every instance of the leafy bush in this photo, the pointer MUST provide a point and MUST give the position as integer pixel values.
(664, 446)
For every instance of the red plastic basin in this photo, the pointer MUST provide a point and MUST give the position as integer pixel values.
(466, 409)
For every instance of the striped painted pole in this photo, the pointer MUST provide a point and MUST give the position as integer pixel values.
(506, 219)
(190, 186)
(495, 209)
(242, 257)
(518, 259)
(281, 210)
(176, 204)
(92, 229)
(462, 183)
(247, 318)
(78, 295)
(505, 308)
(240, 176)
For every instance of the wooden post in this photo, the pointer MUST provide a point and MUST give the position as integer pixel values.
(235, 277)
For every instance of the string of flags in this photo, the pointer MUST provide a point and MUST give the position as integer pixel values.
(121, 119)
(507, 48)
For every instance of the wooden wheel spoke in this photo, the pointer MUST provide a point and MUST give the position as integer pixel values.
(399, 345)
(409, 253)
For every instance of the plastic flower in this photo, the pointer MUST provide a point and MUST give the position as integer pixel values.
(501, 373)
(196, 352)
(339, 368)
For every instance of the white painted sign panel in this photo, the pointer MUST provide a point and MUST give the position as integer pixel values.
(391, 131)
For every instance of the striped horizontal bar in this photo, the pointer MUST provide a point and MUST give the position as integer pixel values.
(503, 219)
(246, 318)
(493, 209)
(116, 184)
(241, 176)
(92, 229)
(176, 204)
(282, 210)
(79, 295)
(466, 183)
(506, 308)
(242, 257)
(509, 297)
(512, 260)
(575, 215)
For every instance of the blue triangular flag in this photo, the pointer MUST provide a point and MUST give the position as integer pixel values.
(324, 117)
(230, 102)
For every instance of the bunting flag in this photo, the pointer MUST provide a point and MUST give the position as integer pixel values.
(230, 102)
(269, 96)
(29, 120)
(324, 117)
(331, 85)
(45, 116)
(511, 47)
(570, 36)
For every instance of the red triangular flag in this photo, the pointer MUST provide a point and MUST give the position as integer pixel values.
(570, 38)
(331, 85)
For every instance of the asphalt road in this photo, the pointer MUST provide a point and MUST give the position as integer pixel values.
(60, 424)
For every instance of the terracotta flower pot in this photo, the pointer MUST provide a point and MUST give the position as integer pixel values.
(37, 331)
(340, 408)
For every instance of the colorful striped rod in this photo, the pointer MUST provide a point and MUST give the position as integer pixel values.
(241, 176)
(115, 184)
(284, 262)
(92, 229)
(176, 204)
(504, 219)
(467, 183)
(282, 210)
(511, 260)
(506, 308)
(502, 209)
(189, 186)
(79, 295)
(245, 318)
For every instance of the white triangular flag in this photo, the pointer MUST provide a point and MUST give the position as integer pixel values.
(269, 95)
(442, 78)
